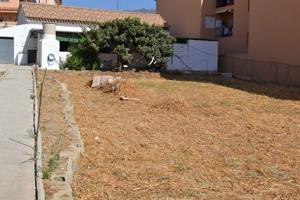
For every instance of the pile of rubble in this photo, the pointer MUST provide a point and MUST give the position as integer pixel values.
(115, 85)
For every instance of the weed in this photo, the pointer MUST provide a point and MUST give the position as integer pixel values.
(31, 134)
(51, 166)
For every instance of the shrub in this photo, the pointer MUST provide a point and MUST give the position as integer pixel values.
(123, 37)
(82, 57)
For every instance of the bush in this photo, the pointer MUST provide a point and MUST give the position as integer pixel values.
(82, 57)
(123, 37)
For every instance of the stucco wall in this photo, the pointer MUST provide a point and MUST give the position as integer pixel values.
(275, 31)
(238, 42)
(196, 55)
(49, 1)
(184, 17)
(208, 8)
(187, 19)
(10, 4)
(9, 10)
(23, 40)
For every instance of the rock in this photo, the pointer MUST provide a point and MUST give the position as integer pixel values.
(227, 76)
(100, 81)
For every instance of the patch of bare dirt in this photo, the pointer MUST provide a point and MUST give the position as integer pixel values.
(170, 105)
(120, 88)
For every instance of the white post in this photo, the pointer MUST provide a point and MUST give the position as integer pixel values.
(48, 48)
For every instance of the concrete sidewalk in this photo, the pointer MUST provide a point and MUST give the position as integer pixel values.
(17, 178)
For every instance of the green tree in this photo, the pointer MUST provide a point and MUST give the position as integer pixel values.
(125, 37)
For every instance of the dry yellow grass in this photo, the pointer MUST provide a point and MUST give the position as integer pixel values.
(52, 127)
(188, 138)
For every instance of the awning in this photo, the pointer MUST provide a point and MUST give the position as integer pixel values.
(68, 37)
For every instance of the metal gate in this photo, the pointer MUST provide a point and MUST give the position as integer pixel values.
(6, 50)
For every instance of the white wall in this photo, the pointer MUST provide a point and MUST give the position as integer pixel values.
(23, 40)
(63, 56)
(195, 55)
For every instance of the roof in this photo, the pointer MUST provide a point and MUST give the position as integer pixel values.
(75, 15)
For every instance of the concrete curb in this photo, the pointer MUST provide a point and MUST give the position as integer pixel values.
(62, 178)
(40, 192)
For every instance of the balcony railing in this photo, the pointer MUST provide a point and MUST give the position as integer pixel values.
(225, 31)
(223, 3)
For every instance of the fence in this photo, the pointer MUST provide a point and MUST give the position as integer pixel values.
(260, 71)
(194, 55)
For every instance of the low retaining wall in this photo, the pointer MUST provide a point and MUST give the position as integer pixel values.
(62, 178)
(260, 71)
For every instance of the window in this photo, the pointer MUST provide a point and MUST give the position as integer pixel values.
(223, 3)
(209, 22)
(224, 24)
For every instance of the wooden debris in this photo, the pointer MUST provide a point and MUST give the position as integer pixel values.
(123, 98)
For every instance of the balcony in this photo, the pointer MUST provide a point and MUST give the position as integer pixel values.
(224, 24)
(223, 3)
(225, 31)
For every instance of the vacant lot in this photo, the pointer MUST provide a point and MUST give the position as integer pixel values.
(188, 138)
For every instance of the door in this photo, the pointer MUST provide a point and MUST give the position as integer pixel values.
(32, 56)
(6, 50)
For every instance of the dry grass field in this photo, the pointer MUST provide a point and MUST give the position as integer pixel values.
(188, 138)
(52, 127)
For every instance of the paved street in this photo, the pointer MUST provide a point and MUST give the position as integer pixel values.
(16, 128)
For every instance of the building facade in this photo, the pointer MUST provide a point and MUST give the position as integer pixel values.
(9, 10)
(274, 36)
(224, 20)
(20, 44)
(262, 30)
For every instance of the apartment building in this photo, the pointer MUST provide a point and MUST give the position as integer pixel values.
(223, 20)
(9, 9)
(274, 31)
(262, 30)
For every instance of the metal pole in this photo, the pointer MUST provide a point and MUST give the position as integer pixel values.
(117, 4)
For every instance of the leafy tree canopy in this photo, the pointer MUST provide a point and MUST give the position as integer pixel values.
(124, 37)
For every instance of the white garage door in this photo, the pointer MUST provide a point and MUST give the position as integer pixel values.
(6, 50)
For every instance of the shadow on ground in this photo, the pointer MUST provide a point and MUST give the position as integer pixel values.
(266, 89)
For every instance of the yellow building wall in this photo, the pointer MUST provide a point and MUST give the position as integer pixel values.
(274, 32)
(238, 42)
(187, 19)
(184, 17)
(9, 10)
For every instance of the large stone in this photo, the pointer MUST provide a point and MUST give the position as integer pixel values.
(100, 81)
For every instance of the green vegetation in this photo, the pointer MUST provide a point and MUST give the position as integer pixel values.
(125, 38)
(51, 166)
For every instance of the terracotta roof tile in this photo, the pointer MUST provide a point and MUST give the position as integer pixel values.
(43, 12)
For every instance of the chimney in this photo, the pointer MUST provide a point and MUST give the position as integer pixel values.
(48, 48)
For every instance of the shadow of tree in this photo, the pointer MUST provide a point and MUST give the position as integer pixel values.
(265, 89)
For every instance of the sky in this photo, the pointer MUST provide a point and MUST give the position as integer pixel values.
(112, 4)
